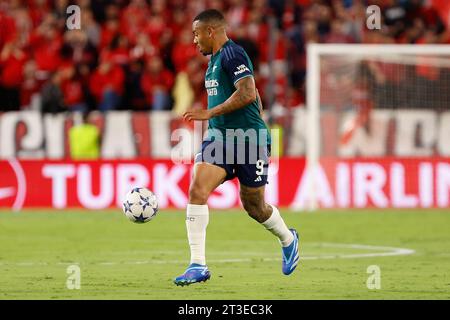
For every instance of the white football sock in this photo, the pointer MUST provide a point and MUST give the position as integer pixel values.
(197, 218)
(276, 225)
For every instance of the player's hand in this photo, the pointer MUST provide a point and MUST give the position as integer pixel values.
(197, 114)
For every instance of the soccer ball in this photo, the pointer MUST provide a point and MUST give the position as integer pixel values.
(140, 205)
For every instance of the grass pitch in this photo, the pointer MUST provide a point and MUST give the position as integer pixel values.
(122, 260)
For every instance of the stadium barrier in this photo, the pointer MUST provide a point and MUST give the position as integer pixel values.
(127, 135)
(344, 183)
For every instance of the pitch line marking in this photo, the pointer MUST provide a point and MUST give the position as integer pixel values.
(385, 252)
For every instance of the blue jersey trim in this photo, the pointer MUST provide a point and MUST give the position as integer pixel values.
(245, 76)
(230, 52)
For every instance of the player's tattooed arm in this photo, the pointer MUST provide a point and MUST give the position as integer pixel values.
(244, 95)
(258, 97)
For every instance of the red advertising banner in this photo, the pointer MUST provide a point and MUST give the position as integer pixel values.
(354, 183)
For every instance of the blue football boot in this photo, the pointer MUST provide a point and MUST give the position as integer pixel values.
(194, 273)
(290, 254)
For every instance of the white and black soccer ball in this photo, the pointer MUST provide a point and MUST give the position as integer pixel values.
(140, 205)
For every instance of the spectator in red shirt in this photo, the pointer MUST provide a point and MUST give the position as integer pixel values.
(23, 26)
(78, 49)
(8, 28)
(46, 43)
(108, 32)
(63, 91)
(59, 11)
(72, 89)
(156, 23)
(143, 48)
(30, 86)
(178, 22)
(118, 50)
(134, 19)
(12, 61)
(237, 14)
(156, 28)
(337, 33)
(157, 82)
(38, 10)
(184, 50)
(106, 84)
(258, 29)
(213, 4)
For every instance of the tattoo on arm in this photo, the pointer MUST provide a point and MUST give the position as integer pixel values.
(245, 94)
(258, 97)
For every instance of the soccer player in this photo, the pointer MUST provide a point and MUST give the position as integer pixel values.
(238, 145)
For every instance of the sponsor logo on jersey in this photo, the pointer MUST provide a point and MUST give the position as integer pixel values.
(211, 83)
(241, 69)
(211, 87)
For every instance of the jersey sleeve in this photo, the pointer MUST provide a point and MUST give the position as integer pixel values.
(236, 64)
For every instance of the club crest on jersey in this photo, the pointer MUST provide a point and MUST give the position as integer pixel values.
(241, 69)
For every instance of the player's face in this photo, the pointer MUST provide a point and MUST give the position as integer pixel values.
(202, 37)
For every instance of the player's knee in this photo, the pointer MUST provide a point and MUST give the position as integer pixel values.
(198, 195)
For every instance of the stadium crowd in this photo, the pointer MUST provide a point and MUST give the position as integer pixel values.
(139, 54)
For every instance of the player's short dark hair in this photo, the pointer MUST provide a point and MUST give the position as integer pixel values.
(210, 15)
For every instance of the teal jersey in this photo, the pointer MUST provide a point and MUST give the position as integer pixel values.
(226, 67)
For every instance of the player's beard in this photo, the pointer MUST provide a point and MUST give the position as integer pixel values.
(205, 53)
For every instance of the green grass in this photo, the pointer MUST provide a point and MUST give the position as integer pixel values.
(122, 260)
